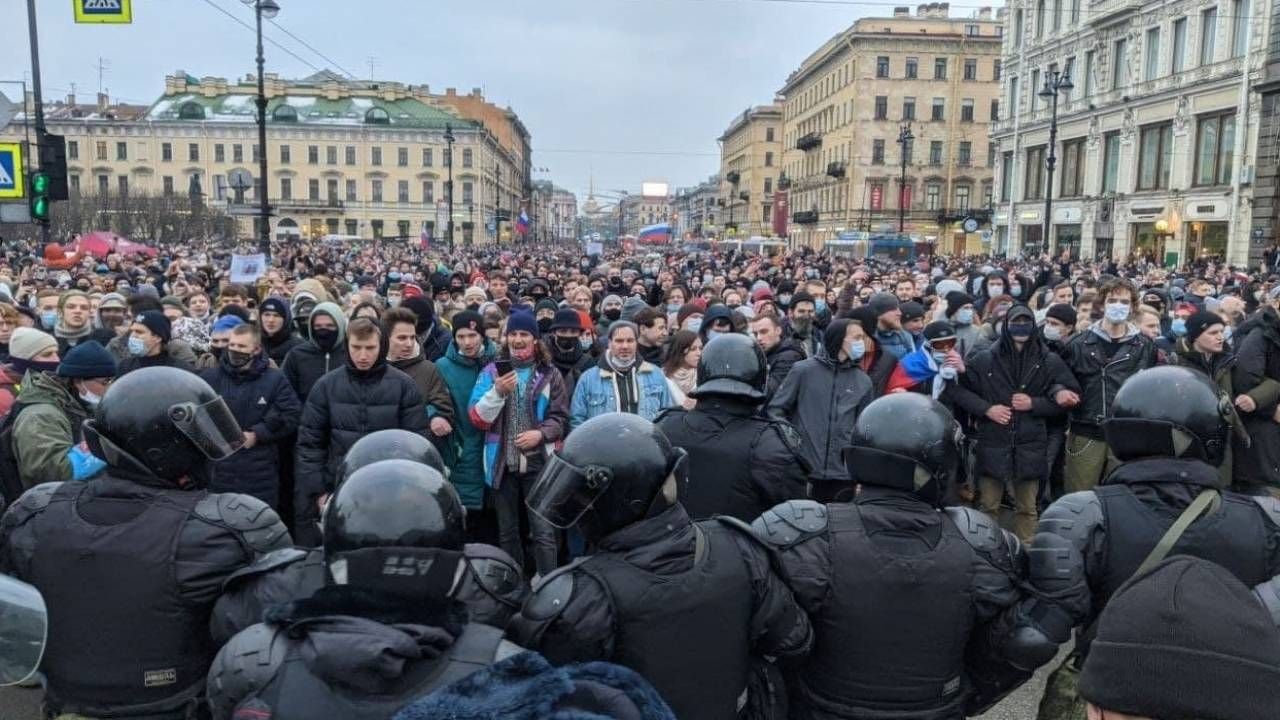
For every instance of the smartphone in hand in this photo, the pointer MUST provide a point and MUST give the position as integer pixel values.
(502, 366)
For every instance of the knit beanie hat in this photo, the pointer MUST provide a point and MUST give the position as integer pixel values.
(423, 308)
(685, 311)
(1185, 639)
(867, 318)
(911, 310)
(468, 320)
(173, 302)
(1063, 313)
(522, 320)
(630, 307)
(157, 323)
(88, 360)
(226, 322)
(957, 300)
(948, 286)
(26, 343)
(112, 300)
(1201, 321)
(548, 305)
(883, 302)
(799, 297)
(275, 305)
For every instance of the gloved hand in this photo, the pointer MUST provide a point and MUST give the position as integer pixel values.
(84, 464)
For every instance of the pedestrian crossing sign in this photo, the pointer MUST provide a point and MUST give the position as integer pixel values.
(11, 186)
(118, 12)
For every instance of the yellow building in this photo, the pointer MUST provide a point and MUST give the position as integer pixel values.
(355, 158)
(750, 160)
(844, 110)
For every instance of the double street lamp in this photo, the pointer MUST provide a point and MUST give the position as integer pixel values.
(263, 9)
(904, 140)
(1054, 83)
(448, 186)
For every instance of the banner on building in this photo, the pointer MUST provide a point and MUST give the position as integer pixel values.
(877, 197)
(248, 268)
(103, 12)
(781, 213)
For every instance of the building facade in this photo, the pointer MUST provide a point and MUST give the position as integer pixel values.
(1155, 140)
(750, 162)
(843, 112)
(554, 213)
(697, 209)
(355, 158)
(640, 211)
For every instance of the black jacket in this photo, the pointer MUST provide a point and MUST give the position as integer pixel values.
(279, 345)
(781, 358)
(1257, 373)
(570, 364)
(435, 341)
(1101, 367)
(344, 406)
(264, 404)
(882, 366)
(307, 363)
(164, 359)
(1015, 451)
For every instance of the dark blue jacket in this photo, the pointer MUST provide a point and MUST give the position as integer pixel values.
(265, 404)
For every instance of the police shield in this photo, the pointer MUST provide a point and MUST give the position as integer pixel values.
(24, 624)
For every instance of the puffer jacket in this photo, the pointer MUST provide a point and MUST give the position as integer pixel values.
(344, 406)
(465, 453)
(47, 426)
(821, 398)
(596, 392)
(1100, 375)
(265, 404)
(1257, 374)
(308, 362)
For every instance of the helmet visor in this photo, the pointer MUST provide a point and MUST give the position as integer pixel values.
(564, 492)
(211, 427)
(23, 630)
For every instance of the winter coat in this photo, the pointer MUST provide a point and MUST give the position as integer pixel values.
(571, 365)
(264, 404)
(1218, 368)
(879, 366)
(307, 363)
(435, 341)
(166, 358)
(430, 384)
(278, 346)
(550, 413)
(47, 427)
(781, 358)
(1015, 451)
(465, 453)
(344, 406)
(597, 393)
(822, 398)
(10, 386)
(970, 340)
(1257, 374)
(1100, 376)
(178, 350)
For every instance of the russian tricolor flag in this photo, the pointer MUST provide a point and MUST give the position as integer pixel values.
(655, 234)
(522, 222)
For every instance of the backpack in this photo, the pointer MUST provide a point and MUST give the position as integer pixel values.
(11, 487)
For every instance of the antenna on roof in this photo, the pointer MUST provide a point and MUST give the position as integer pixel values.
(104, 66)
(373, 64)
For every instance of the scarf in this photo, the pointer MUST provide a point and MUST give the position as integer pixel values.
(518, 416)
(63, 332)
(685, 378)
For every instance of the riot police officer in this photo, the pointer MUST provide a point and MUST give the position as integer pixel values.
(384, 630)
(492, 585)
(741, 463)
(898, 589)
(131, 562)
(685, 604)
(1170, 428)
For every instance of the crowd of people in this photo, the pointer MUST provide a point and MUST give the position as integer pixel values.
(378, 469)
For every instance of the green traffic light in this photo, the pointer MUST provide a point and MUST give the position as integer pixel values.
(40, 183)
(40, 208)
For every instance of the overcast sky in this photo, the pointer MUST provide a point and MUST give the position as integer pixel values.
(631, 90)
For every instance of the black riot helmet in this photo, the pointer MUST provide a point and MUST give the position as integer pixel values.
(393, 444)
(1171, 412)
(905, 441)
(612, 471)
(732, 365)
(396, 526)
(163, 422)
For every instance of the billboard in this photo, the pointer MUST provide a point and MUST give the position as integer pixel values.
(655, 189)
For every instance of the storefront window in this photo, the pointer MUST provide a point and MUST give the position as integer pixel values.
(1147, 243)
(1067, 237)
(1206, 239)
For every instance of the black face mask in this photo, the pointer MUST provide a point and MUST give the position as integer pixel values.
(324, 338)
(566, 344)
(613, 314)
(1021, 331)
(544, 325)
(237, 359)
(217, 351)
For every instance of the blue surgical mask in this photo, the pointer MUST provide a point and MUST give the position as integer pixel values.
(1052, 332)
(939, 357)
(856, 349)
(49, 319)
(820, 305)
(1015, 290)
(1116, 313)
(137, 347)
(584, 343)
(784, 299)
(1178, 327)
(713, 334)
(673, 307)
(964, 316)
(693, 325)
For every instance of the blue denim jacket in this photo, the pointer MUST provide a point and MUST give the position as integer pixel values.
(595, 394)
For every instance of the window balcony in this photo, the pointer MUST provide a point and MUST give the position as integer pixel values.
(837, 169)
(804, 217)
(809, 141)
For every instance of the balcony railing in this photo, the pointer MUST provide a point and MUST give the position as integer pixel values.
(804, 217)
(733, 176)
(809, 141)
(837, 169)
(309, 204)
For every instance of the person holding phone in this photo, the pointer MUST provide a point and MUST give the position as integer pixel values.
(521, 404)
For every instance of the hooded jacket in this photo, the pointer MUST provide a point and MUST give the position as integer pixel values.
(46, 429)
(1257, 374)
(277, 346)
(432, 336)
(308, 362)
(430, 383)
(464, 455)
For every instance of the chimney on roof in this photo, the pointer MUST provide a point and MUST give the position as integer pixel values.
(451, 92)
(475, 92)
(922, 10)
(103, 101)
(71, 99)
(902, 11)
(984, 13)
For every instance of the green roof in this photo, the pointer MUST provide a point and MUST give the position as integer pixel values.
(310, 110)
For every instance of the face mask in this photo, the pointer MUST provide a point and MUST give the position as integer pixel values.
(1015, 290)
(393, 276)
(964, 316)
(90, 398)
(566, 344)
(693, 325)
(544, 325)
(1052, 332)
(238, 359)
(994, 290)
(820, 305)
(939, 357)
(713, 334)
(49, 319)
(325, 338)
(217, 351)
(784, 299)
(349, 278)
(584, 343)
(856, 349)
(1021, 331)
(393, 300)
(1178, 327)
(137, 347)
(672, 307)
(1117, 313)
(613, 313)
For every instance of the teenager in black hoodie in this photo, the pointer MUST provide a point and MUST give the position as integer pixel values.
(276, 323)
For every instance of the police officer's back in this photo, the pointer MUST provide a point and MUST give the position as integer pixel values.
(131, 562)
(491, 584)
(899, 590)
(384, 630)
(741, 463)
(1169, 428)
(685, 604)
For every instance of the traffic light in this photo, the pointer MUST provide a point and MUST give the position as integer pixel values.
(39, 186)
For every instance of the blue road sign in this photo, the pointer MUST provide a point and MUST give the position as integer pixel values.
(11, 185)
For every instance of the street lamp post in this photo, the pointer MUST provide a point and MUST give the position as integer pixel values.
(448, 139)
(268, 9)
(904, 139)
(1054, 83)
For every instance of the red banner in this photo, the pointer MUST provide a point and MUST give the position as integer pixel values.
(781, 213)
(906, 197)
(877, 197)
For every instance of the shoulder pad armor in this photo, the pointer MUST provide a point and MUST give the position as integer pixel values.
(246, 665)
(1072, 515)
(551, 596)
(791, 522)
(253, 520)
(271, 561)
(495, 571)
(979, 530)
(1269, 504)
(30, 503)
(671, 412)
